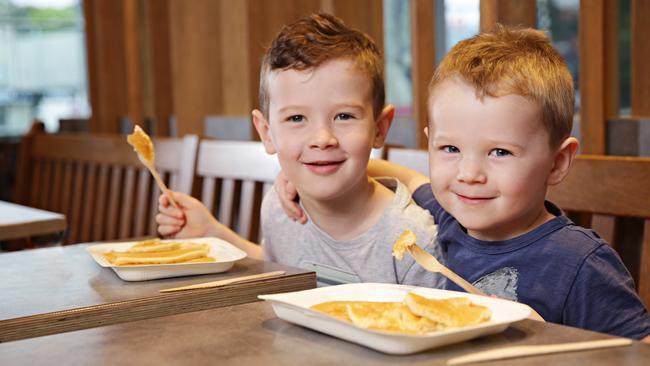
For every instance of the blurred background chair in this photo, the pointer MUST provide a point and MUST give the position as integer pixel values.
(611, 195)
(98, 182)
(411, 158)
(234, 176)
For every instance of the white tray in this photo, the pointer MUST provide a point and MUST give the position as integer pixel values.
(294, 307)
(225, 255)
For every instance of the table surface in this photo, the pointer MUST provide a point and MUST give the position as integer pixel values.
(17, 221)
(251, 334)
(50, 290)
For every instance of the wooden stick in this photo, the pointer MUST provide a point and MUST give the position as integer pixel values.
(162, 185)
(523, 351)
(226, 281)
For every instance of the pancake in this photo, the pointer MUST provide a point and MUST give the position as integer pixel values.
(151, 252)
(141, 144)
(415, 315)
(390, 317)
(339, 309)
(402, 243)
(453, 312)
(153, 245)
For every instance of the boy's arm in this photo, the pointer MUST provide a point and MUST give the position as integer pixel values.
(376, 168)
(193, 220)
(410, 178)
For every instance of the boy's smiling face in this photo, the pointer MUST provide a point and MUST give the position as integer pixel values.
(490, 160)
(321, 125)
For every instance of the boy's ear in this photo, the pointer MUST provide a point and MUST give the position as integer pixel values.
(264, 129)
(382, 125)
(562, 161)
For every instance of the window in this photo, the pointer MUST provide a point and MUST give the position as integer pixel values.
(42, 64)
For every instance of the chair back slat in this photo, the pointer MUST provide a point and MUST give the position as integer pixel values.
(140, 219)
(98, 182)
(226, 202)
(89, 205)
(100, 214)
(57, 186)
(235, 173)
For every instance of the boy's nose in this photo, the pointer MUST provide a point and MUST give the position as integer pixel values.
(470, 171)
(323, 138)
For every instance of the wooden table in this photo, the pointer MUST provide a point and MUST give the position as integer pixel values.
(251, 334)
(18, 221)
(53, 290)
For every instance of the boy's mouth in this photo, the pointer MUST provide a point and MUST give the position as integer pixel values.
(324, 167)
(473, 200)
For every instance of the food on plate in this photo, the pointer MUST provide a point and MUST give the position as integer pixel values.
(141, 144)
(453, 312)
(402, 243)
(156, 252)
(415, 315)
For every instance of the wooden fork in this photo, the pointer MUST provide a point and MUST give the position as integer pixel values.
(430, 263)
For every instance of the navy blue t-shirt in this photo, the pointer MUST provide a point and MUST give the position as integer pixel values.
(565, 272)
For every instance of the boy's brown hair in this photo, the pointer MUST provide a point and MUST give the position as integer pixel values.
(315, 39)
(515, 61)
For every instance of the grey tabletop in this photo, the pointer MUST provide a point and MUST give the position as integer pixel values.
(58, 289)
(251, 334)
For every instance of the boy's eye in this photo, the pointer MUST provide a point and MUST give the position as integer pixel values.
(450, 149)
(343, 117)
(500, 152)
(296, 118)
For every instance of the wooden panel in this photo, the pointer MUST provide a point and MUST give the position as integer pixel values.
(265, 18)
(233, 21)
(372, 21)
(640, 67)
(106, 29)
(423, 50)
(518, 13)
(159, 88)
(597, 94)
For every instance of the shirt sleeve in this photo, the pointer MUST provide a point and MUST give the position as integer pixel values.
(603, 299)
(423, 197)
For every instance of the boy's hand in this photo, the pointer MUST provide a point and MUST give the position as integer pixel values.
(191, 220)
(288, 198)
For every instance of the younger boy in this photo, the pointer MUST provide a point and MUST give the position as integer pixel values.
(322, 111)
(500, 117)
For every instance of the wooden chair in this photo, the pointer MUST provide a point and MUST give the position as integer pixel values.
(235, 176)
(614, 193)
(98, 182)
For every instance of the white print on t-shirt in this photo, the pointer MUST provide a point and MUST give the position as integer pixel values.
(501, 283)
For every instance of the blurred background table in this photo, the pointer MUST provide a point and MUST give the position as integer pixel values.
(251, 334)
(17, 221)
(58, 289)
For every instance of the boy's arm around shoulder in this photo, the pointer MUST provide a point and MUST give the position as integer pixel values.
(410, 178)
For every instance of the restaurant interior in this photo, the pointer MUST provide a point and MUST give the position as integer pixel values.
(78, 76)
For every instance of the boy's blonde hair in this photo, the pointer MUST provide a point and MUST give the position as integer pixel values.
(515, 61)
(315, 39)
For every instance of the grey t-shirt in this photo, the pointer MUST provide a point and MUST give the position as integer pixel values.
(366, 258)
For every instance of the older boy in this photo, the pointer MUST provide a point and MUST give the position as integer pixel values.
(322, 111)
(500, 117)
